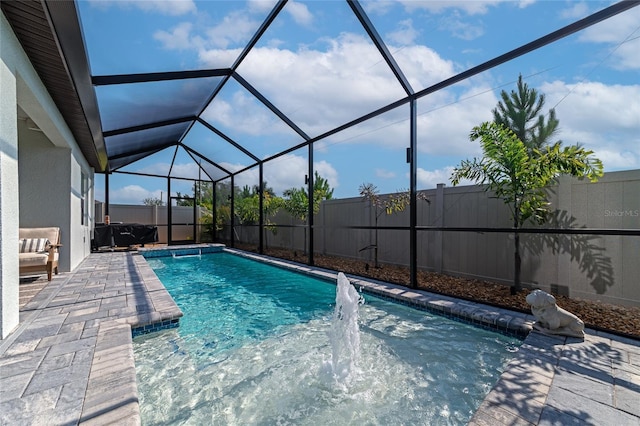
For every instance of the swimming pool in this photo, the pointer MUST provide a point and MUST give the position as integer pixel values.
(251, 347)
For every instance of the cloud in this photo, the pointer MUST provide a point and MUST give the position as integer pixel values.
(444, 124)
(236, 28)
(185, 170)
(218, 58)
(246, 115)
(621, 34)
(327, 171)
(378, 7)
(523, 4)
(461, 28)
(173, 7)
(285, 172)
(626, 55)
(405, 34)
(233, 30)
(382, 7)
(133, 194)
(468, 7)
(299, 12)
(429, 179)
(604, 118)
(576, 10)
(321, 89)
(614, 29)
(179, 38)
(261, 5)
(318, 92)
(616, 160)
(423, 66)
(385, 174)
(163, 7)
(159, 168)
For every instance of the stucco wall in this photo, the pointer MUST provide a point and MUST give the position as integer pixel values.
(44, 175)
(38, 169)
(9, 297)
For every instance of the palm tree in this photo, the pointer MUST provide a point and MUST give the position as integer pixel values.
(520, 111)
(520, 178)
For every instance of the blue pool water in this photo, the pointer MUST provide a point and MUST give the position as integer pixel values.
(251, 347)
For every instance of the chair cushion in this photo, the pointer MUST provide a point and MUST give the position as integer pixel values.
(33, 245)
(52, 233)
(33, 259)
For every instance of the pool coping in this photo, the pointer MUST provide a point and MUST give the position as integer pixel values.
(92, 311)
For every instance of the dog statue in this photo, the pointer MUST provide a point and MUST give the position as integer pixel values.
(551, 319)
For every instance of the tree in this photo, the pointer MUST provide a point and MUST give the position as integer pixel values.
(321, 191)
(184, 202)
(520, 111)
(391, 204)
(248, 205)
(296, 201)
(519, 177)
(152, 201)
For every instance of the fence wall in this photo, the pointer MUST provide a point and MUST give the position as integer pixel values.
(605, 268)
(153, 215)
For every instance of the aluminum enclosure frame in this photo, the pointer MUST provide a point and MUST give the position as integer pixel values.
(64, 21)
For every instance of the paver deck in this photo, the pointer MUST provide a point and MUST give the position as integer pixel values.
(70, 360)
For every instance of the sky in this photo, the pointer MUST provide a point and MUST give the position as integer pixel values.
(318, 66)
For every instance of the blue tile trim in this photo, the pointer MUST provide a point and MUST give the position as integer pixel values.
(181, 251)
(155, 327)
(450, 314)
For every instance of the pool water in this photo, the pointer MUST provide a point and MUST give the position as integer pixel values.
(251, 347)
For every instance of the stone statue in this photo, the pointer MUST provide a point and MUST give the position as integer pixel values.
(551, 319)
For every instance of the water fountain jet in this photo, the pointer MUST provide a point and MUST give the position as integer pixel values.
(344, 335)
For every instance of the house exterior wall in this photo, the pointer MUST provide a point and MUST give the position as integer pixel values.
(9, 225)
(80, 205)
(42, 200)
(39, 170)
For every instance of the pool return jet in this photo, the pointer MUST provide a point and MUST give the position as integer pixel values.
(191, 253)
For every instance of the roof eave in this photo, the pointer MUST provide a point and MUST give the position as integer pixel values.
(51, 36)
